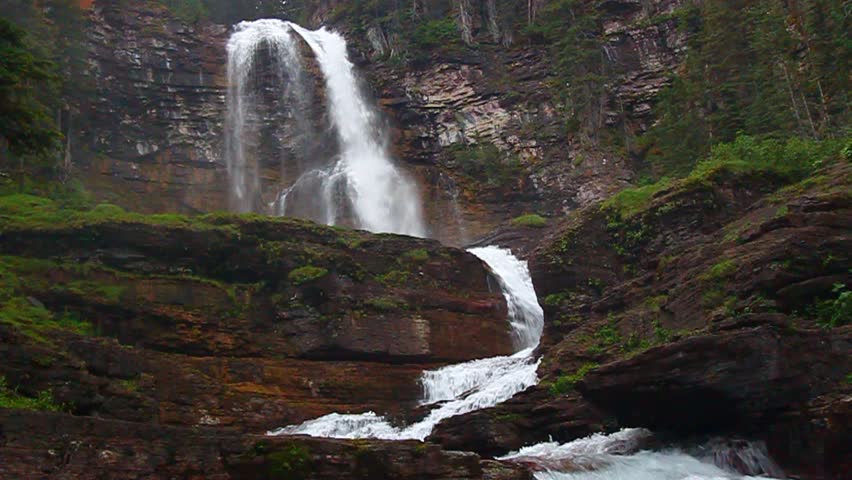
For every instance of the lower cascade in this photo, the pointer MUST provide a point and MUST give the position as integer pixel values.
(618, 456)
(462, 388)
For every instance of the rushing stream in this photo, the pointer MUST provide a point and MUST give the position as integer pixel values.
(462, 388)
(363, 182)
(618, 457)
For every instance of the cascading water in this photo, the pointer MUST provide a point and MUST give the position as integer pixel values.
(464, 387)
(241, 124)
(617, 457)
(362, 182)
(362, 178)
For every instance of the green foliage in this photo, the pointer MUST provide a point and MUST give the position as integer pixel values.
(555, 299)
(574, 32)
(306, 274)
(565, 383)
(720, 270)
(486, 164)
(766, 68)
(44, 401)
(835, 312)
(791, 160)
(530, 220)
(435, 34)
(418, 255)
(385, 304)
(607, 335)
(394, 278)
(631, 201)
(293, 462)
(26, 123)
(190, 11)
(29, 317)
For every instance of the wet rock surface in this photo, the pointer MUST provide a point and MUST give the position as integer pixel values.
(244, 323)
(690, 317)
(92, 448)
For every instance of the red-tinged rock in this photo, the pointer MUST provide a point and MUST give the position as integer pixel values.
(34, 445)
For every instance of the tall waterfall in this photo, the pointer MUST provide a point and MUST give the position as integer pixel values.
(361, 180)
(464, 387)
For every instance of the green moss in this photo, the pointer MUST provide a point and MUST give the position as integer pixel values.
(632, 201)
(508, 417)
(720, 270)
(44, 401)
(565, 383)
(293, 462)
(394, 278)
(385, 304)
(656, 303)
(130, 384)
(555, 299)
(607, 335)
(86, 288)
(530, 220)
(306, 274)
(418, 255)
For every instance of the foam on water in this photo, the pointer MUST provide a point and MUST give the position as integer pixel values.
(462, 388)
(615, 457)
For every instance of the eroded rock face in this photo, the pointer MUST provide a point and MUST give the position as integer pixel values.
(150, 134)
(689, 315)
(245, 322)
(91, 448)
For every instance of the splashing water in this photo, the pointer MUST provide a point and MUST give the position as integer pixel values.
(362, 178)
(615, 457)
(248, 39)
(462, 388)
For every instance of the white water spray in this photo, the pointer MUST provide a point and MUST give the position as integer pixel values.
(618, 457)
(242, 118)
(462, 388)
(362, 177)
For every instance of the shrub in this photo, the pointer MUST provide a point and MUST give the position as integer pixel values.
(530, 220)
(835, 312)
(565, 383)
(720, 270)
(418, 255)
(44, 401)
(308, 273)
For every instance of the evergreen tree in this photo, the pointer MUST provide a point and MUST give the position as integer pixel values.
(26, 124)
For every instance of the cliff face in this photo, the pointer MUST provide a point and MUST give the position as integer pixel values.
(480, 125)
(150, 135)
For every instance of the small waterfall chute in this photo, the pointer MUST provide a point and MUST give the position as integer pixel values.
(465, 387)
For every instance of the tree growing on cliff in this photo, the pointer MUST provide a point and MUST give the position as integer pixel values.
(26, 124)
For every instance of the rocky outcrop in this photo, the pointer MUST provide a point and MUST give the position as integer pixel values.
(92, 448)
(244, 322)
(690, 311)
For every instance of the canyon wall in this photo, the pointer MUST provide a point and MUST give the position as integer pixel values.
(478, 122)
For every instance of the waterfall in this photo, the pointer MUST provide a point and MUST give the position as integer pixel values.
(462, 388)
(243, 48)
(618, 456)
(361, 179)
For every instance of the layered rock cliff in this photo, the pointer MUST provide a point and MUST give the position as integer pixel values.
(479, 122)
